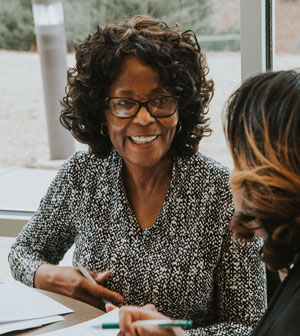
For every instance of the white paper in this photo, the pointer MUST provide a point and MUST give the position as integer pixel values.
(21, 325)
(19, 302)
(91, 327)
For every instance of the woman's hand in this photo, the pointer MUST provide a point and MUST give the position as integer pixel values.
(69, 281)
(128, 315)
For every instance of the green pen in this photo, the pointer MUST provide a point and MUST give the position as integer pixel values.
(158, 323)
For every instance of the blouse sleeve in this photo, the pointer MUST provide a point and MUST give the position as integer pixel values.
(240, 285)
(48, 234)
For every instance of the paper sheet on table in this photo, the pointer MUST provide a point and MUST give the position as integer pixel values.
(19, 302)
(21, 325)
(91, 327)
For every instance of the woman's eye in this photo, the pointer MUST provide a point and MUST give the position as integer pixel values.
(126, 104)
(159, 101)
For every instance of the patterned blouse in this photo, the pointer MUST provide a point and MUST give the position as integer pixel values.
(186, 264)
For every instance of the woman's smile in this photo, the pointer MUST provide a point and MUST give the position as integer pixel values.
(144, 145)
(143, 139)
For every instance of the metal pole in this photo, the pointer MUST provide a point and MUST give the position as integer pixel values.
(51, 44)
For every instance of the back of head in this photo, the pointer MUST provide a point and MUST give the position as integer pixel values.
(263, 130)
(176, 57)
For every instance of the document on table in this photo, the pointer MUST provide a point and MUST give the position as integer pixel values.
(21, 325)
(23, 307)
(91, 327)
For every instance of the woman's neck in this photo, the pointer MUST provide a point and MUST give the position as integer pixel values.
(146, 189)
(147, 178)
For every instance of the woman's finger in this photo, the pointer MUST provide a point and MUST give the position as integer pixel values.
(101, 292)
(149, 306)
(158, 331)
(110, 307)
(128, 315)
(100, 277)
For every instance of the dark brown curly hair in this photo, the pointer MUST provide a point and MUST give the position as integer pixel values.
(262, 126)
(176, 57)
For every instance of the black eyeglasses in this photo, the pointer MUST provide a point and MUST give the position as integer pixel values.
(160, 107)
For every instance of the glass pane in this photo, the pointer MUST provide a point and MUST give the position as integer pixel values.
(48, 14)
(224, 60)
(287, 43)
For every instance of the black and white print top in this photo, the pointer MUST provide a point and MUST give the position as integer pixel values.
(186, 264)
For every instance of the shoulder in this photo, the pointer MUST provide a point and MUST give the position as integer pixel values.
(282, 315)
(83, 160)
(283, 319)
(212, 166)
(207, 181)
(206, 170)
(83, 166)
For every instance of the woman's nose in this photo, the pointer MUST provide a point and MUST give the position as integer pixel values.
(143, 117)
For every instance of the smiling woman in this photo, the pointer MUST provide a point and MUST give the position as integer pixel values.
(143, 204)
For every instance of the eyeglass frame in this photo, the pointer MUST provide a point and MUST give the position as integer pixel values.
(140, 105)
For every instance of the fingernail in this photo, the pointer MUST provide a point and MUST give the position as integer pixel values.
(109, 307)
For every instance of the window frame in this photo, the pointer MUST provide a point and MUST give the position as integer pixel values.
(257, 36)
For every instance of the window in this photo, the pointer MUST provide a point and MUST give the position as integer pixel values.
(218, 25)
(287, 41)
(23, 126)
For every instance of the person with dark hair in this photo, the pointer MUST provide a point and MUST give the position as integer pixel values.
(147, 213)
(263, 131)
(262, 126)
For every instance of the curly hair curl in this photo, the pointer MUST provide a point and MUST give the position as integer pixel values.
(262, 126)
(176, 57)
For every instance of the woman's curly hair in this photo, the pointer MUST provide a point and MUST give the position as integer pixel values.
(262, 126)
(176, 57)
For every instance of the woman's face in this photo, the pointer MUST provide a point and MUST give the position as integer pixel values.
(238, 194)
(142, 140)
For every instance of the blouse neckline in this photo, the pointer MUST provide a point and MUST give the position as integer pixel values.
(134, 224)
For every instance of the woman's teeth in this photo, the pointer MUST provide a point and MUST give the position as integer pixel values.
(143, 139)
